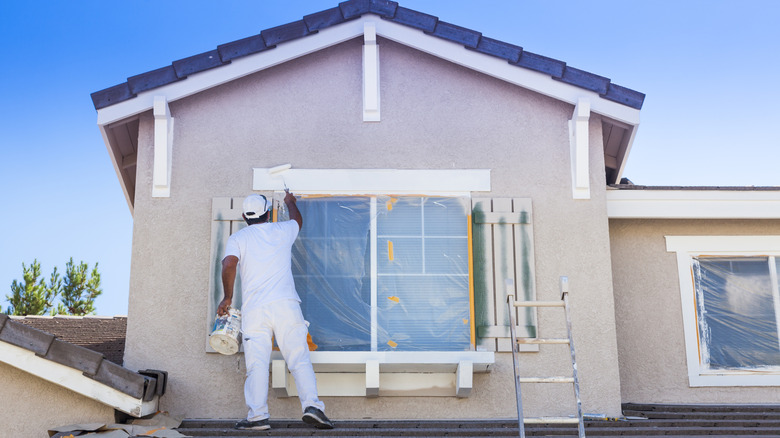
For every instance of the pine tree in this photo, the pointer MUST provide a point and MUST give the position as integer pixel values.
(79, 291)
(34, 296)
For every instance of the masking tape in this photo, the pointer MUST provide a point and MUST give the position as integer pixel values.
(396, 299)
(390, 255)
(392, 344)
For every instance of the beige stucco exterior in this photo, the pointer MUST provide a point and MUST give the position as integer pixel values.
(32, 405)
(649, 316)
(308, 112)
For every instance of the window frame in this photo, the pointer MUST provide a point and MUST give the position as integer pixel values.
(686, 249)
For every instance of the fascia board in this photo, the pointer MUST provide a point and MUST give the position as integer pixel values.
(501, 69)
(74, 380)
(693, 204)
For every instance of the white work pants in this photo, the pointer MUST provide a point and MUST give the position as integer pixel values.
(284, 320)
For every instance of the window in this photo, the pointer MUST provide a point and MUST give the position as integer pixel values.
(382, 273)
(731, 308)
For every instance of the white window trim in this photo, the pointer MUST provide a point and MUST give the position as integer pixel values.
(438, 182)
(688, 247)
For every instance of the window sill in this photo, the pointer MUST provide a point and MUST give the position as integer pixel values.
(372, 374)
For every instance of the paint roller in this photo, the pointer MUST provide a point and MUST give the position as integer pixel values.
(276, 170)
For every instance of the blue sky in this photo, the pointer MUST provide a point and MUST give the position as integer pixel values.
(708, 68)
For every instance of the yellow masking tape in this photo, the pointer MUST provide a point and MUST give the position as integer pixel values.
(390, 255)
(396, 299)
(392, 344)
(465, 321)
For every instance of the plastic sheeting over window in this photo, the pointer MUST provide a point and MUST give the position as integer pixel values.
(381, 273)
(737, 308)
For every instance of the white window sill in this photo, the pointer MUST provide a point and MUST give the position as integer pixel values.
(371, 374)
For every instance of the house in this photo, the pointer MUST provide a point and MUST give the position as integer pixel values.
(438, 170)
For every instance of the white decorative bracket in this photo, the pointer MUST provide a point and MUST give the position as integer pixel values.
(464, 379)
(372, 378)
(370, 74)
(279, 378)
(163, 146)
(578, 141)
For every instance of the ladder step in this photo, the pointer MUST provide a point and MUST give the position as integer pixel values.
(539, 303)
(559, 379)
(542, 340)
(543, 420)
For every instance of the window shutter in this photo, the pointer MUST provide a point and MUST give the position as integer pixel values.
(503, 249)
(225, 220)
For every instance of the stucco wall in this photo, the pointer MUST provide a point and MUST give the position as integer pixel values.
(651, 345)
(308, 112)
(32, 405)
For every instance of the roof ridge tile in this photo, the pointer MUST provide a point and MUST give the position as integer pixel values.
(285, 32)
(415, 19)
(468, 37)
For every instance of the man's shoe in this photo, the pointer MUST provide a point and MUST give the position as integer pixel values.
(263, 424)
(316, 418)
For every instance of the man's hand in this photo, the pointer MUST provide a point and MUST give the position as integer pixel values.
(289, 197)
(222, 310)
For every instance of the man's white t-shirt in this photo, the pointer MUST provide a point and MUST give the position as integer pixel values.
(264, 259)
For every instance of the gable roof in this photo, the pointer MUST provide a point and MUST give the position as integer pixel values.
(119, 106)
(349, 10)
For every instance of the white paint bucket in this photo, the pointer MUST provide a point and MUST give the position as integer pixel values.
(226, 336)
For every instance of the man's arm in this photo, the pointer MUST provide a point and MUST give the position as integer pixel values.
(229, 265)
(292, 207)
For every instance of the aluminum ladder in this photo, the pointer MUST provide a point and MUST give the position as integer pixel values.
(564, 302)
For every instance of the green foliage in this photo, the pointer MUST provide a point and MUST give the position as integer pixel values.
(34, 296)
(77, 291)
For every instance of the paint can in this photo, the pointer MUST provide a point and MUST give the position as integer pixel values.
(226, 336)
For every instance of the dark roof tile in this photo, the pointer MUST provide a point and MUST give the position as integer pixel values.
(74, 356)
(354, 8)
(111, 95)
(122, 379)
(323, 19)
(383, 8)
(500, 49)
(458, 34)
(417, 20)
(27, 337)
(626, 96)
(242, 47)
(586, 80)
(198, 63)
(152, 79)
(542, 64)
(284, 33)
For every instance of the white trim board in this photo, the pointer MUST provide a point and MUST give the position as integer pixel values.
(442, 182)
(74, 380)
(693, 204)
(687, 247)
